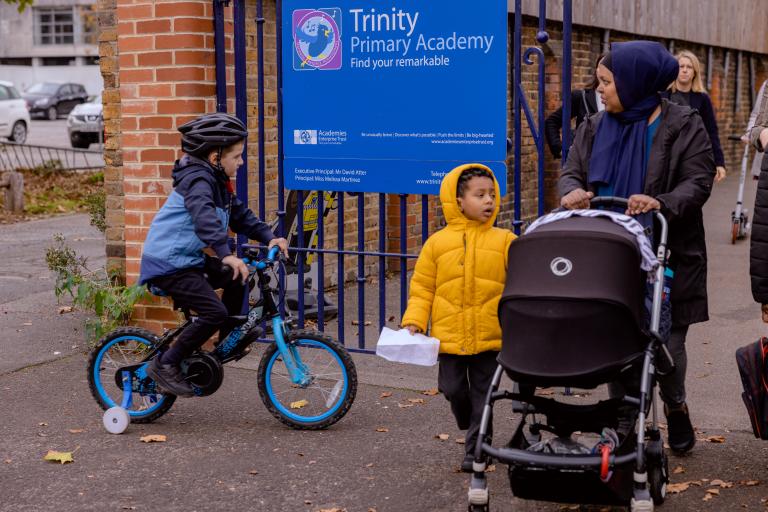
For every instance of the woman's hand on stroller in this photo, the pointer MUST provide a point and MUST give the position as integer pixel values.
(577, 199)
(640, 203)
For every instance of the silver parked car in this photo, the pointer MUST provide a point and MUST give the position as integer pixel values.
(85, 124)
(14, 116)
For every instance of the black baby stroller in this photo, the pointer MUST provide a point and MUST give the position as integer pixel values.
(573, 314)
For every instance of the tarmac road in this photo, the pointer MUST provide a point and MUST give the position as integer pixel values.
(226, 452)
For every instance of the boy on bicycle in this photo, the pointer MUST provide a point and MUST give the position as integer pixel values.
(456, 287)
(193, 224)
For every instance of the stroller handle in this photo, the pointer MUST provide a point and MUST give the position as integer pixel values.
(736, 138)
(611, 201)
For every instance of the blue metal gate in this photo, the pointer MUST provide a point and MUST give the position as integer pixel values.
(520, 102)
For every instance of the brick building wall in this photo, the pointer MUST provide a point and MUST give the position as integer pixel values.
(157, 59)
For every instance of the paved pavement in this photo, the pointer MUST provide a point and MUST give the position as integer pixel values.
(226, 452)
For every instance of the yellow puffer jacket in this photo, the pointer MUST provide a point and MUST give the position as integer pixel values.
(459, 277)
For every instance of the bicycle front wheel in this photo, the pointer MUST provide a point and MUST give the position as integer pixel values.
(326, 391)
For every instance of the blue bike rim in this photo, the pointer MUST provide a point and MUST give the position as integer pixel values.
(102, 392)
(297, 417)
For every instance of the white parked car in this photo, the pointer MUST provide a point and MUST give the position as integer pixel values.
(14, 116)
(85, 123)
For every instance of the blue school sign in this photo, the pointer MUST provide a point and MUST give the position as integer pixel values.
(388, 96)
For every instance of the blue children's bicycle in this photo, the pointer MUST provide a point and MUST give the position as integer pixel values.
(307, 380)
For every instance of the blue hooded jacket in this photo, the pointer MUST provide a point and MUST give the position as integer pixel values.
(195, 216)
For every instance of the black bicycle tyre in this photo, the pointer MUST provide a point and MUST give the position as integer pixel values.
(346, 360)
(93, 356)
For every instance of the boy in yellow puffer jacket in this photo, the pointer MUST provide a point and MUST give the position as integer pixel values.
(456, 287)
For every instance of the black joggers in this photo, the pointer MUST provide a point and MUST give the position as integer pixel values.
(194, 288)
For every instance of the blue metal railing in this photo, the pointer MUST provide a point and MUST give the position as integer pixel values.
(363, 248)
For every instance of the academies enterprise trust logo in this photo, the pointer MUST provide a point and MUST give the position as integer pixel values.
(317, 39)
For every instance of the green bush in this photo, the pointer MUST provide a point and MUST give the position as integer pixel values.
(96, 205)
(93, 291)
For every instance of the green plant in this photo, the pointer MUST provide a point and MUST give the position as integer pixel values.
(94, 291)
(96, 205)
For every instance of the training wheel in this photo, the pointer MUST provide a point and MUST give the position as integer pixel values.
(116, 420)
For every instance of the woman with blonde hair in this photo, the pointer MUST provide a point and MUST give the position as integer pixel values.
(688, 89)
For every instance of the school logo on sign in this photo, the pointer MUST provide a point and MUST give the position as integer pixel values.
(317, 39)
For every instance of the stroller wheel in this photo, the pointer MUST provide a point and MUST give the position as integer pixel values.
(479, 508)
(658, 476)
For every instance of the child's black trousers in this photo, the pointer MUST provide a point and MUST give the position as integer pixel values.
(194, 288)
(464, 380)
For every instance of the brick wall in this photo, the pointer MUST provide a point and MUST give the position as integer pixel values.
(158, 63)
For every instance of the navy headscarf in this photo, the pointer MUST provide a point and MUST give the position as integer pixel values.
(640, 70)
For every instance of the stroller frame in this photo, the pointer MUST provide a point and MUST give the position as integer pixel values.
(649, 451)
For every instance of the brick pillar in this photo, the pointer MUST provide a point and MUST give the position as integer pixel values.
(166, 58)
(113, 173)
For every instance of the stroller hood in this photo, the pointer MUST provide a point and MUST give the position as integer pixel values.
(751, 362)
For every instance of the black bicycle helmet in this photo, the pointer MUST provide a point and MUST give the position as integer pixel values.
(210, 132)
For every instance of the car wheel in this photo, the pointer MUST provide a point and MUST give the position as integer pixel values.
(52, 113)
(19, 132)
(78, 141)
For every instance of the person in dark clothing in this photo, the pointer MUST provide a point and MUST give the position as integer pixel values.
(584, 102)
(758, 245)
(187, 246)
(688, 89)
(657, 155)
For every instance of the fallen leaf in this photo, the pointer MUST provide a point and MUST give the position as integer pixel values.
(678, 488)
(391, 318)
(430, 392)
(153, 438)
(369, 465)
(8, 461)
(416, 400)
(722, 484)
(460, 440)
(371, 509)
(716, 492)
(678, 470)
(706, 497)
(27, 323)
(545, 392)
(128, 507)
(715, 439)
(749, 483)
(299, 404)
(62, 457)
(382, 429)
(43, 424)
(386, 394)
(307, 502)
(442, 437)
(491, 468)
(76, 431)
(253, 472)
(404, 406)
(334, 509)
(65, 309)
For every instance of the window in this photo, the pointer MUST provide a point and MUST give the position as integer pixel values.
(54, 25)
(91, 60)
(4, 94)
(13, 93)
(16, 61)
(57, 61)
(44, 88)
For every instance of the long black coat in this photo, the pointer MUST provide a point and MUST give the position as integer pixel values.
(758, 246)
(583, 104)
(680, 172)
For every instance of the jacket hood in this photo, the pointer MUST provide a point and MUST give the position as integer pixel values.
(454, 216)
(188, 165)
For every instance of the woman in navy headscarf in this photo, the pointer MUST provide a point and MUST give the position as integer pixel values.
(658, 156)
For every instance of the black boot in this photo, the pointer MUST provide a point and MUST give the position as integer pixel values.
(681, 437)
(169, 378)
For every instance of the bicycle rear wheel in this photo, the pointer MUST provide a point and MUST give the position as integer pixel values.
(126, 348)
(329, 388)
